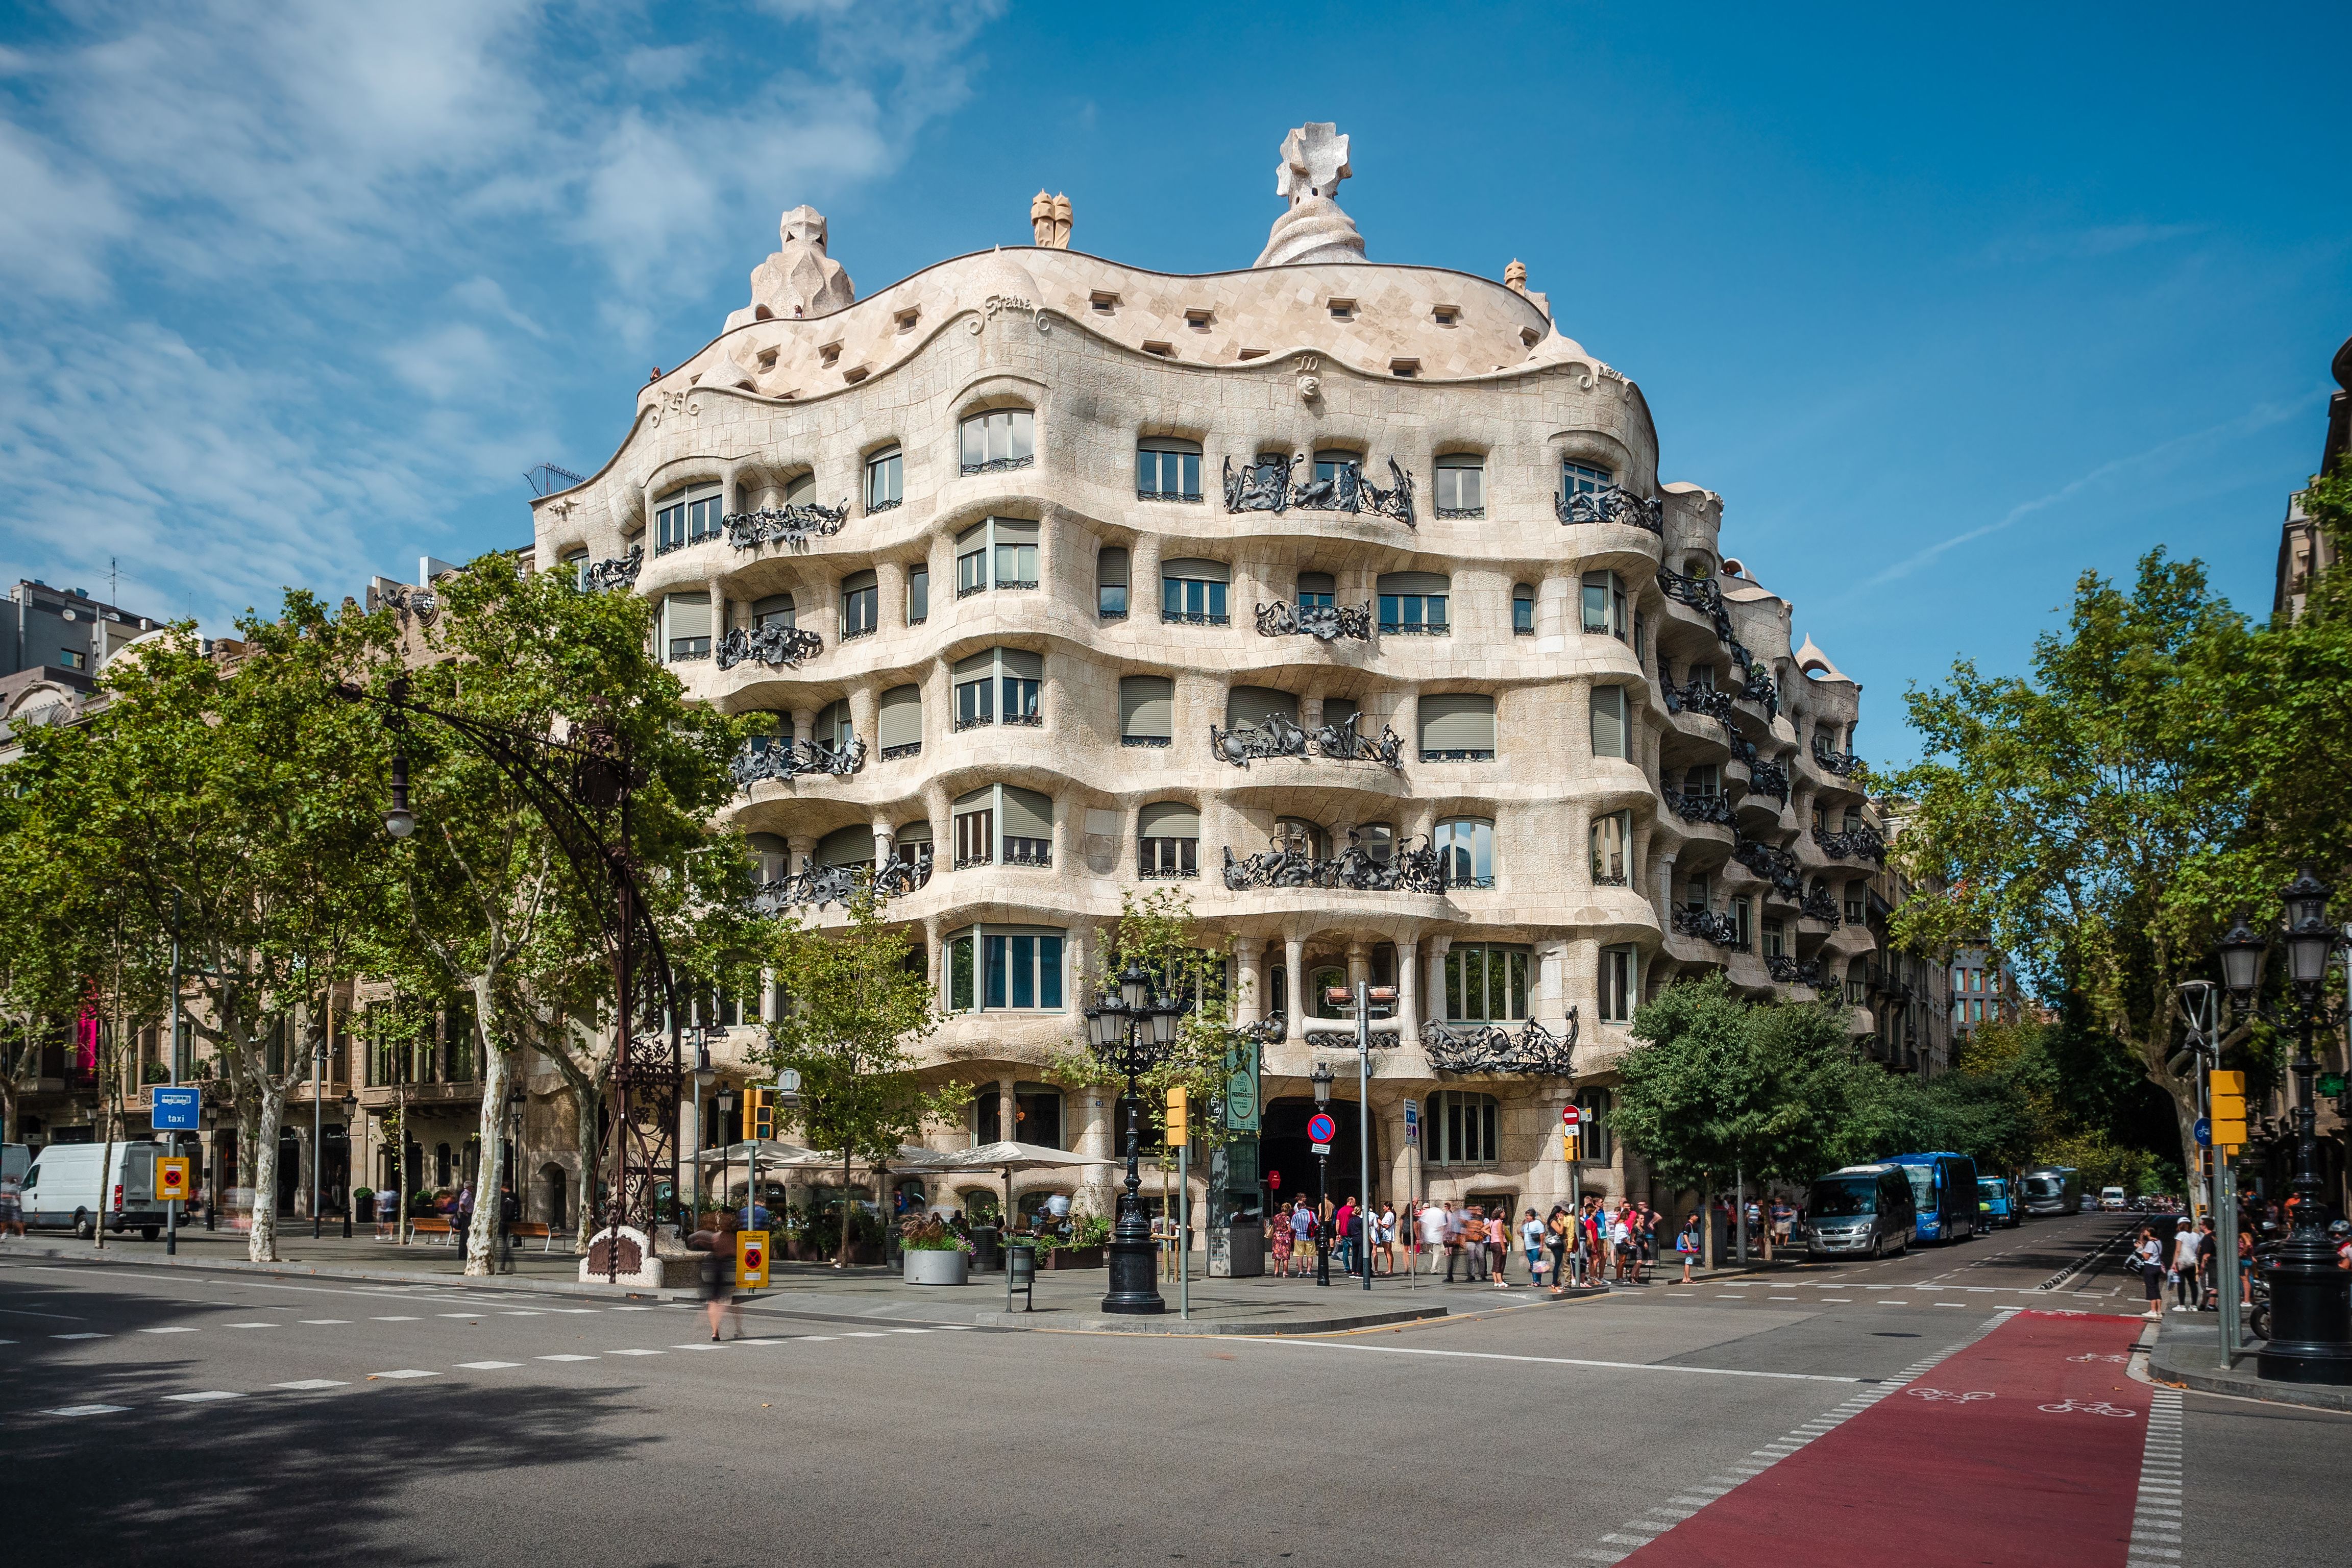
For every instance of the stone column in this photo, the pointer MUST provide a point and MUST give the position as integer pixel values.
(1294, 955)
(1097, 1185)
(1437, 949)
(1249, 1004)
(1359, 963)
(1007, 1112)
(1409, 991)
(718, 614)
(885, 842)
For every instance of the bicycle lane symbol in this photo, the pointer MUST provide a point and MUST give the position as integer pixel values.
(2088, 1407)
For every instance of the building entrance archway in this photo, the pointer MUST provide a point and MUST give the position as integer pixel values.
(1283, 1146)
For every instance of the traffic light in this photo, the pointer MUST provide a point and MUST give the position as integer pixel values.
(761, 1103)
(1179, 1116)
(2228, 1091)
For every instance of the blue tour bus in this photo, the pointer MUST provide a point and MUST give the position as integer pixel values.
(1943, 1194)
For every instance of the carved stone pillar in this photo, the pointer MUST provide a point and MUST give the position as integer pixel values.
(1359, 965)
(1409, 991)
(1437, 949)
(1294, 958)
(1249, 980)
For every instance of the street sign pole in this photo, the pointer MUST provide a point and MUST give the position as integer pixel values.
(1364, 1128)
(172, 1066)
(2225, 1261)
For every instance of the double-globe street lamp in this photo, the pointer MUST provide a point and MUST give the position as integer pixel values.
(1132, 1031)
(1321, 1079)
(2311, 1313)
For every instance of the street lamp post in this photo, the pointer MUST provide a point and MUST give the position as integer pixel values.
(351, 1119)
(1132, 1032)
(2311, 1314)
(725, 1110)
(516, 1099)
(318, 1125)
(1321, 1080)
(1367, 1001)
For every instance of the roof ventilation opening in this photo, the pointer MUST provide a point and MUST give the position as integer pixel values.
(1407, 368)
(768, 360)
(829, 355)
(1529, 335)
(1252, 353)
(1103, 304)
(1199, 320)
(1343, 309)
(853, 377)
(1165, 351)
(1444, 315)
(907, 319)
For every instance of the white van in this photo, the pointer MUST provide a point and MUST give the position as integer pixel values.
(66, 1189)
(2111, 1198)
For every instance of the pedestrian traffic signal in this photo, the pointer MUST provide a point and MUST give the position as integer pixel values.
(762, 1105)
(1179, 1116)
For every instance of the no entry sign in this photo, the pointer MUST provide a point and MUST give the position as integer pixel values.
(1320, 1128)
(1569, 1116)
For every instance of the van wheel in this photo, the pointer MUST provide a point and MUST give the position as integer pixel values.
(84, 1226)
(148, 1233)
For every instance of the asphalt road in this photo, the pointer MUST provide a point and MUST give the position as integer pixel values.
(155, 1414)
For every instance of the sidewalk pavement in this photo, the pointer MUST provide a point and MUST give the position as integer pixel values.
(1065, 1300)
(2187, 1354)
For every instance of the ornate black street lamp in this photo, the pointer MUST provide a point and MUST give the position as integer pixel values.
(1321, 1079)
(351, 1119)
(1132, 1032)
(2311, 1313)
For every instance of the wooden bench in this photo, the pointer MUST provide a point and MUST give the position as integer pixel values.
(428, 1227)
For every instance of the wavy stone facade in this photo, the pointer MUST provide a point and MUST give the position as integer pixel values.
(1513, 596)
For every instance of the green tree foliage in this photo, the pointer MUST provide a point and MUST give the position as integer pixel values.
(857, 1005)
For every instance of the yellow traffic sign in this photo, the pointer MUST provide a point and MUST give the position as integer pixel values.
(751, 1257)
(172, 1179)
(1179, 1116)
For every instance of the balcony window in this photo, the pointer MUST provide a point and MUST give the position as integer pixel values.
(1000, 553)
(1339, 468)
(1703, 780)
(1457, 727)
(1699, 896)
(685, 626)
(1743, 914)
(975, 832)
(833, 730)
(1003, 682)
(919, 594)
(1855, 913)
(912, 846)
(1523, 610)
(1613, 849)
(1110, 582)
(1376, 839)
(1461, 485)
(688, 517)
(1167, 469)
(1581, 478)
(1619, 983)
(1412, 603)
(1168, 841)
(1609, 725)
(861, 597)
(1343, 711)
(850, 845)
(1193, 591)
(774, 611)
(1000, 968)
(1593, 1141)
(1464, 1129)
(885, 480)
(975, 698)
(1604, 605)
(899, 729)
(1000, 439)
(1486, 985)
(1001, 823)
(1776, 939)
(1300, 836)
(1147, 709)
(1466, 852)
(771, 856)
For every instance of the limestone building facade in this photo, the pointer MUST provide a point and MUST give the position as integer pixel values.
(1346, 596)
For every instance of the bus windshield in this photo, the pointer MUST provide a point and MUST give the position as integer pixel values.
(1923, 1187)
(1838, 1198)
(1990, 1188)
(2040, 1186)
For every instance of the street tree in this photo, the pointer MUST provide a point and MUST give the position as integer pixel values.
(855, 1006)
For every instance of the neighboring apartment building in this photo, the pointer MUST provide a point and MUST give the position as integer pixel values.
(2304, 550)
(1908, 992)
(1345, 596)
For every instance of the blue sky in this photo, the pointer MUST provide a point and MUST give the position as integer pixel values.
(1951, 306)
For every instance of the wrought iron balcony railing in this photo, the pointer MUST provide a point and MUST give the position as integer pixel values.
(1194, 618)
(1768, 778)
(1696, 698)
(1820, 905)
(1846, 764)
(998, 465)
(1792, 971)
(814, 885)
(1612, 503)
(1291, 864)
(1277, 736)
(791, 525)
(1324, 622)
(1266, 485)
(1498, 1048)
(1856, 844)
(619, 573)
(772, 646)
(1712, 808)
(1775, 865)
(788, 758)
(1708, 926)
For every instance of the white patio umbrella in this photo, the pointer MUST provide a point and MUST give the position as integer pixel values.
(1009, 1157)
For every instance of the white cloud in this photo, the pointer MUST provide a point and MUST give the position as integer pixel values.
(54, 228)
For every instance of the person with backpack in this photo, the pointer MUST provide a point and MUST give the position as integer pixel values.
(1686, 1246)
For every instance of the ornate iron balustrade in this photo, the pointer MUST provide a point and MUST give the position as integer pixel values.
(617, 574)
(1820, 905)
(1270, 1030)
(1194, 618)
(1759, 688)
(976, 721)
(1612, 503)
(1243, 743)
(1027, 721)
(1694, 697)
(1492, 1048)
(1142, 494)
(1380, 1039)
(850, 634)
(998, 465)
(767, 645)
(1457, 754)
(1608, 882)
(788, 758)
(1712, 808)
(875, 507)
(1416, 629)
(1472, 512)
(1288, 864)
(1012, 857)
(911, 749)
(1846, 764)
(1324, 622)
(1775, 865)
(1792, 971)
(1708, 926)
(1856, 843)
(1341, 744)
(1158, 741)
(1265, 484)
(818, 886)
(1704, 595)
(793, 525)
(1768, 778)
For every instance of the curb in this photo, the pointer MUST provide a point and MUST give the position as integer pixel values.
(376, 1277)
(1175, 1328)
(2209, 1379)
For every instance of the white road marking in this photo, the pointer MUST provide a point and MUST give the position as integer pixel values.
(703, 1345)
(175, 1329)
(322, 1323)
(461, 1314)
(311, 1382)
(1548, 1360)
(564, 1358)
(394, 1320)
(487, 1365)
(86, 1410)
(206, 1397)
(81, 1336)
(639, 1353)
(408, 1372)
(248, 1325)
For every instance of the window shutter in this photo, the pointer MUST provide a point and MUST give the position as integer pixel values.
(1457, 722)
(1110, 566)
(901, 723)
(773, 605)
(1256, 704)
(1341, 711)
(1023, 663)
(689, 615)
(1169, 819)
(857, 582)
(851, 846)
(766, 844)
(1608, 721)
(916, 832)
(980, 663)
(984, 795)
(1316, 583)
(1413, 582)
(1027, 814)
(1015, 530)
(1147, 707)
(1197, 570)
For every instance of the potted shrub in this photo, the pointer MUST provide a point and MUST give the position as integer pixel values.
(933, 1254)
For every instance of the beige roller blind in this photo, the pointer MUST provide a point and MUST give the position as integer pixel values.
(1256, 704)
(1147, 705)
(1457, 722)
(858, 580)
(689, 615)
(1193, 569)
(1110, 566)
(916, 832)
(902, 717)
(1016, 530)
(1027, 814)
(766, 844)
(984, 795)
(1341, 711)
(978, 664)
(1169, 819)
(1608, 721)
(1316, 583)
(1413, 582)
(1022, 662)
(851, 846)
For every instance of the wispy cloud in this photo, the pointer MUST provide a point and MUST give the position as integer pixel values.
(2094, 242)
(2164, 454)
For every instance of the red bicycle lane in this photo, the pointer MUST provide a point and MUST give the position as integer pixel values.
(2023, 1447)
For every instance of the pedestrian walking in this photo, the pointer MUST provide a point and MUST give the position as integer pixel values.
(387, 1213)
(2149, 1255)
(464, 1221)
(12, 1207)
(1345, 1221)
(717, 1272)
(1457, 1226)
(1531, 1240)
(1687, 1245)
(2188, 1289)
(1431, 1235)
(1386, 1239)
(1302, 1234)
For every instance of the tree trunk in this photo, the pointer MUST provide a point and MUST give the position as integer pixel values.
(261, 1241)
(1706, 1224)
(842, 1259)
(489, 1198)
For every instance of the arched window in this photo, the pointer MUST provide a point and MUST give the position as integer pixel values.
(1581, 478)
(1147, 709)
(1604, 605)
(1462, 1129)
(1466, 852)
(1595, 1143)
(1110, 581)
(1523, 610)
(901, 723)
(1000, 438)
(1193, 591)
(885, 480)
(860, 605)
(1609, 727)
(1168, 841)
(1486, 985)
(913, 845)
(773, 855)
(1297, 833)
(688, 517)
(1457, 727)
(1412, 603)
(1461, 485)
(1167, 469)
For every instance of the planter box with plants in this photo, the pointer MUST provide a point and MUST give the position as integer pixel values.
(932, 1254)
